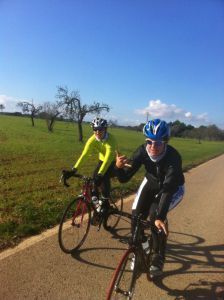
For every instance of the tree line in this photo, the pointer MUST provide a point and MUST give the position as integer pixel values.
(69, 107)
(180, 129)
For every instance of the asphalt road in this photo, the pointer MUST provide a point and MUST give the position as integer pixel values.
(194, 269)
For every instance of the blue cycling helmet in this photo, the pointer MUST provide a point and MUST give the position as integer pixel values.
(157, 130)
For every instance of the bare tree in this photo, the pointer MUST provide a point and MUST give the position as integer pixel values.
(29, 108)
(113, 123)
(50, 112)
(2, 106)
(74, 109)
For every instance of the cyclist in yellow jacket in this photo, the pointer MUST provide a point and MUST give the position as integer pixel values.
(105, 144)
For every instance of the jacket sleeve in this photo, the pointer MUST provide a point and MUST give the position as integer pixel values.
(109, 157)
(173, 175)
(85, 153)
(169, 185)
(163, 207)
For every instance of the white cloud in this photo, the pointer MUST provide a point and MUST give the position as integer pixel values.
(9, 103)
(170, 112)
(202, 116)
(188, 114)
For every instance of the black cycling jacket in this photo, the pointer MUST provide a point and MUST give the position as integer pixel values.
(164, 176)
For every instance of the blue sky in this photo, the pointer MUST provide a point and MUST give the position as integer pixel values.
(157, 56)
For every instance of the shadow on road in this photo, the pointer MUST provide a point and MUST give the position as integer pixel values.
(120, 234)
(183, 258)
(196, 258)
(206, 290)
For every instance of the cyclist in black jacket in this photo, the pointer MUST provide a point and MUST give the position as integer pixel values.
(162, 187)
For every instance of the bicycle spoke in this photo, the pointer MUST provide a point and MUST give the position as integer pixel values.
(74, 225)
(123, 282)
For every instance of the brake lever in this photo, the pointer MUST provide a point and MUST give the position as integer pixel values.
(64, 181)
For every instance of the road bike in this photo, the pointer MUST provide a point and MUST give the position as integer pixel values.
(76, 220)
(134, 261)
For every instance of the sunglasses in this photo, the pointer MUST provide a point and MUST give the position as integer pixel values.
(98, 129)
(155, 143)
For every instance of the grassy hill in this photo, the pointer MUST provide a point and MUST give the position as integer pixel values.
(31, 160)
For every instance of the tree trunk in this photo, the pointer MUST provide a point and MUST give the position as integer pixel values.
(80, 131)
(32, 120)
(51, 126)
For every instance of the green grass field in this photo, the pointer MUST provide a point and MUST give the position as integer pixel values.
(31, 159)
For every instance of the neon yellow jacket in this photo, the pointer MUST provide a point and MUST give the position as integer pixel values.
(106, 149)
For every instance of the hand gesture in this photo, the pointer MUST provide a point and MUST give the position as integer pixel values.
(121, 161)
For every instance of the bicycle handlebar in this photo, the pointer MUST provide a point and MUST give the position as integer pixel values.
(64, 180)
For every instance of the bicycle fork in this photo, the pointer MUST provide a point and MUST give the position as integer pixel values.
(80, 212)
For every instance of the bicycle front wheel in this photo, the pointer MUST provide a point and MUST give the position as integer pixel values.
(116, 203)
(74, 225)
(124, 278)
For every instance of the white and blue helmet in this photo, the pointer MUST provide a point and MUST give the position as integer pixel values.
(157, 130)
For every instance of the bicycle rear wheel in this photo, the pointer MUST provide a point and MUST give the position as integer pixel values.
(74, 225)
(116, 202)
(124, 278)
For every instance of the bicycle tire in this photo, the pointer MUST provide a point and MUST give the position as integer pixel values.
(123, 282)
(74, 225)
(116, 202)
